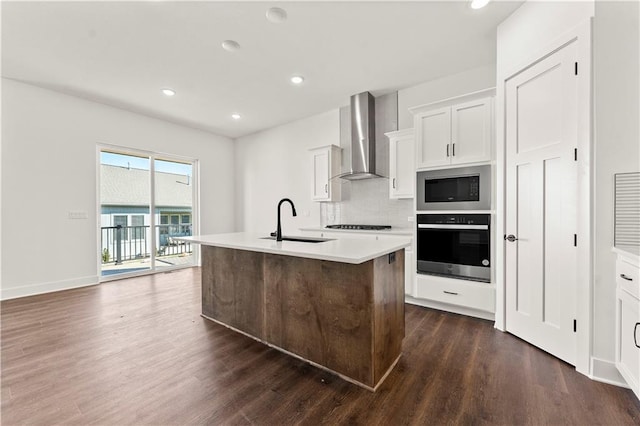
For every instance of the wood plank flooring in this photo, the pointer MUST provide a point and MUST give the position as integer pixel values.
(137, 352)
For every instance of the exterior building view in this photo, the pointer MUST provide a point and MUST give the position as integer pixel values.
(125, 219)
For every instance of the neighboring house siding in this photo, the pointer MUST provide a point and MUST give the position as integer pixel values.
(122, 186)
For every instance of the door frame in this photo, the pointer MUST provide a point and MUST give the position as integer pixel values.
(195, 209)
(581, 35)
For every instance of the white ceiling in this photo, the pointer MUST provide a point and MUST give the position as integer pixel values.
(123, 53)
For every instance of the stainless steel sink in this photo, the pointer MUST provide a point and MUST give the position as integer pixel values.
(300, 239)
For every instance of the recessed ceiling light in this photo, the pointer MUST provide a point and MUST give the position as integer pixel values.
(276, 15)
(230, 45)
(235, 116)
(297, 79)
(168, 92)
(479, 4)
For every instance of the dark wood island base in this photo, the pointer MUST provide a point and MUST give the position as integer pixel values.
(342, 317)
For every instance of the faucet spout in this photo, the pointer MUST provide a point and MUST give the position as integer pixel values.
(279, 228)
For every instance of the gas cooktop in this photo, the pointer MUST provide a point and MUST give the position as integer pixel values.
(361, 227)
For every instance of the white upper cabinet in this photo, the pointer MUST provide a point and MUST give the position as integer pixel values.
(326, 165)
(457, 133)
(433, 134)
(471, 131)
(401, 164)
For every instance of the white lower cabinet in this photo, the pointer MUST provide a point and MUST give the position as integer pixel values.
(464, 293)
(628, 321)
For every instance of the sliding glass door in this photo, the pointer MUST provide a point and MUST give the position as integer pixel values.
(146, 203)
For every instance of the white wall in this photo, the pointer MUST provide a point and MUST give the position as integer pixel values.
(49, 168)
(446, 87)
(275, 164)
(617, 146)
(533, 26)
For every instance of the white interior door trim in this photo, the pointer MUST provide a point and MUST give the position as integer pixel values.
(584, 313)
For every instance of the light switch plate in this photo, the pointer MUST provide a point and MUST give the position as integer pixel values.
(78, 214)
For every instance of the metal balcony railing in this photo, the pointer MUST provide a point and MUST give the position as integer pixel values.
(124, 243)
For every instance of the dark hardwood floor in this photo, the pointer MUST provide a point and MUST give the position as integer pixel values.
(137, 352)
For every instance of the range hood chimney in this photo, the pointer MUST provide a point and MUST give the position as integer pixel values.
(363, 135)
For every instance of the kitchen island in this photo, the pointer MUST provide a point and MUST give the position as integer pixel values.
(337, 304)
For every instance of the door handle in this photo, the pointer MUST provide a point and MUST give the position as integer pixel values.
(624, 277)
(511, 238)
(394, 183)
(326, 188)
(447, 150)
(635, 335)
(453, 150)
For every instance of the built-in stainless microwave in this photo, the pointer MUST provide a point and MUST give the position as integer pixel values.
(462, 188)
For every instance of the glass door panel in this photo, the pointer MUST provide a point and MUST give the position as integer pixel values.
(124, 213)
(174, 213)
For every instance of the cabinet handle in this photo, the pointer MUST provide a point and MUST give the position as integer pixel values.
(326, 188)
(635, 335)
(447, 150)
(394, 183)
(449, 292)
(624, 277)
(453, 150)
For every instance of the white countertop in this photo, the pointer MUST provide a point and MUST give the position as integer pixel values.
(631, 251)
(343, 250)
(393, 231)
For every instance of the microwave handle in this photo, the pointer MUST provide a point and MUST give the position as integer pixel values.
(451, 226)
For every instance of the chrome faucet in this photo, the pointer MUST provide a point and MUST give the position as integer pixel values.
(279, 228)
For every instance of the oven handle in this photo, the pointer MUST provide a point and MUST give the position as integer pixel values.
(451, 226)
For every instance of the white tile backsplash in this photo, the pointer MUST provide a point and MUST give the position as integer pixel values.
(367, 202)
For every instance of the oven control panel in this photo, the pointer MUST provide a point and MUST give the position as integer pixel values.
(454, 219)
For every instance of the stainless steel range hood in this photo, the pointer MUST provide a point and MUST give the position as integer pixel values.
(363, 134)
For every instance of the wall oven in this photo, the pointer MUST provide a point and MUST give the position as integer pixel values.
(463, 188)
(454, 245)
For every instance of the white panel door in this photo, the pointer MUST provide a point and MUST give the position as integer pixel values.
(541, 134)
(433, 133)
(471, 131)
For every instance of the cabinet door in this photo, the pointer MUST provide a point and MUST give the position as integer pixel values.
(628, 340)
(401, 167)
(320, 175)
(457, 292)
(471, 131)
(433, 136)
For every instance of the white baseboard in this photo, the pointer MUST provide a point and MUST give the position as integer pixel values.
(41, 288)
(450, 308)
(606, 372)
